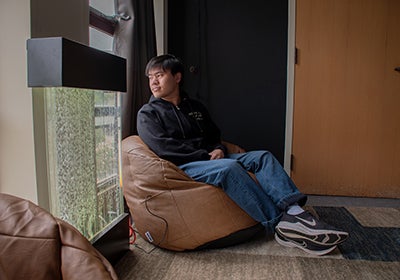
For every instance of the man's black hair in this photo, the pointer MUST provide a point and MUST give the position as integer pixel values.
(165, 62)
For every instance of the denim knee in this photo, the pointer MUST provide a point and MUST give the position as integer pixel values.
(229, 166)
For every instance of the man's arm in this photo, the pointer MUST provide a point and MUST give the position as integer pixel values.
(213, 135)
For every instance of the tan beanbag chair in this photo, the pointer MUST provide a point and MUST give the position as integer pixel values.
(170, 209)
(36, 245)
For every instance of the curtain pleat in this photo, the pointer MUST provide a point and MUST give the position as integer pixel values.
(135, 40)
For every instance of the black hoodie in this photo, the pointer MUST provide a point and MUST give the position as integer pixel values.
(180, 134)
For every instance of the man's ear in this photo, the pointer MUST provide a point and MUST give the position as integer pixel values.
(178, 77)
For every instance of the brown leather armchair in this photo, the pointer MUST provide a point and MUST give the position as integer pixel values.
(173, 211)
(36, 245)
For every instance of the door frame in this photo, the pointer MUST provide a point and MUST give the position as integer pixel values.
(291, 48)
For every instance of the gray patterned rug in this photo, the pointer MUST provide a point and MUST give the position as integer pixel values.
(371, 252)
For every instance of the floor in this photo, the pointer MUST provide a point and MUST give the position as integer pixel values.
(371, 252)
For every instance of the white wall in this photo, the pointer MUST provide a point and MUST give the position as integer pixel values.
(49, 18)
(17, 162)
(67, 18)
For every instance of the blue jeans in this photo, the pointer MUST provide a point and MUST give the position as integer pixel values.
(263, 201)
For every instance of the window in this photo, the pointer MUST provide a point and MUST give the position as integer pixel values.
(102, 24)
(83, 136)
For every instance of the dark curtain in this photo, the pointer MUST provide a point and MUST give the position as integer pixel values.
(135, 40)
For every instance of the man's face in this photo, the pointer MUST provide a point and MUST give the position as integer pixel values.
(163, 84)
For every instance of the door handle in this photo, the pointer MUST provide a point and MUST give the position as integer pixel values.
(397, 69)
(193, 69)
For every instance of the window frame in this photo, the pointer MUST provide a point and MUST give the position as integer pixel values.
(102, 22)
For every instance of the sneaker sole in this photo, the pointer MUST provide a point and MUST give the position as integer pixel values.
(303, 247)
(298, 230)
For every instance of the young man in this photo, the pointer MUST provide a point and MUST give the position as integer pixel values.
(180, 129)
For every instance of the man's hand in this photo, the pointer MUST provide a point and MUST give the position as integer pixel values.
(216, 154)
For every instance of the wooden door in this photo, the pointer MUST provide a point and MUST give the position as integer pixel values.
(346, 138)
